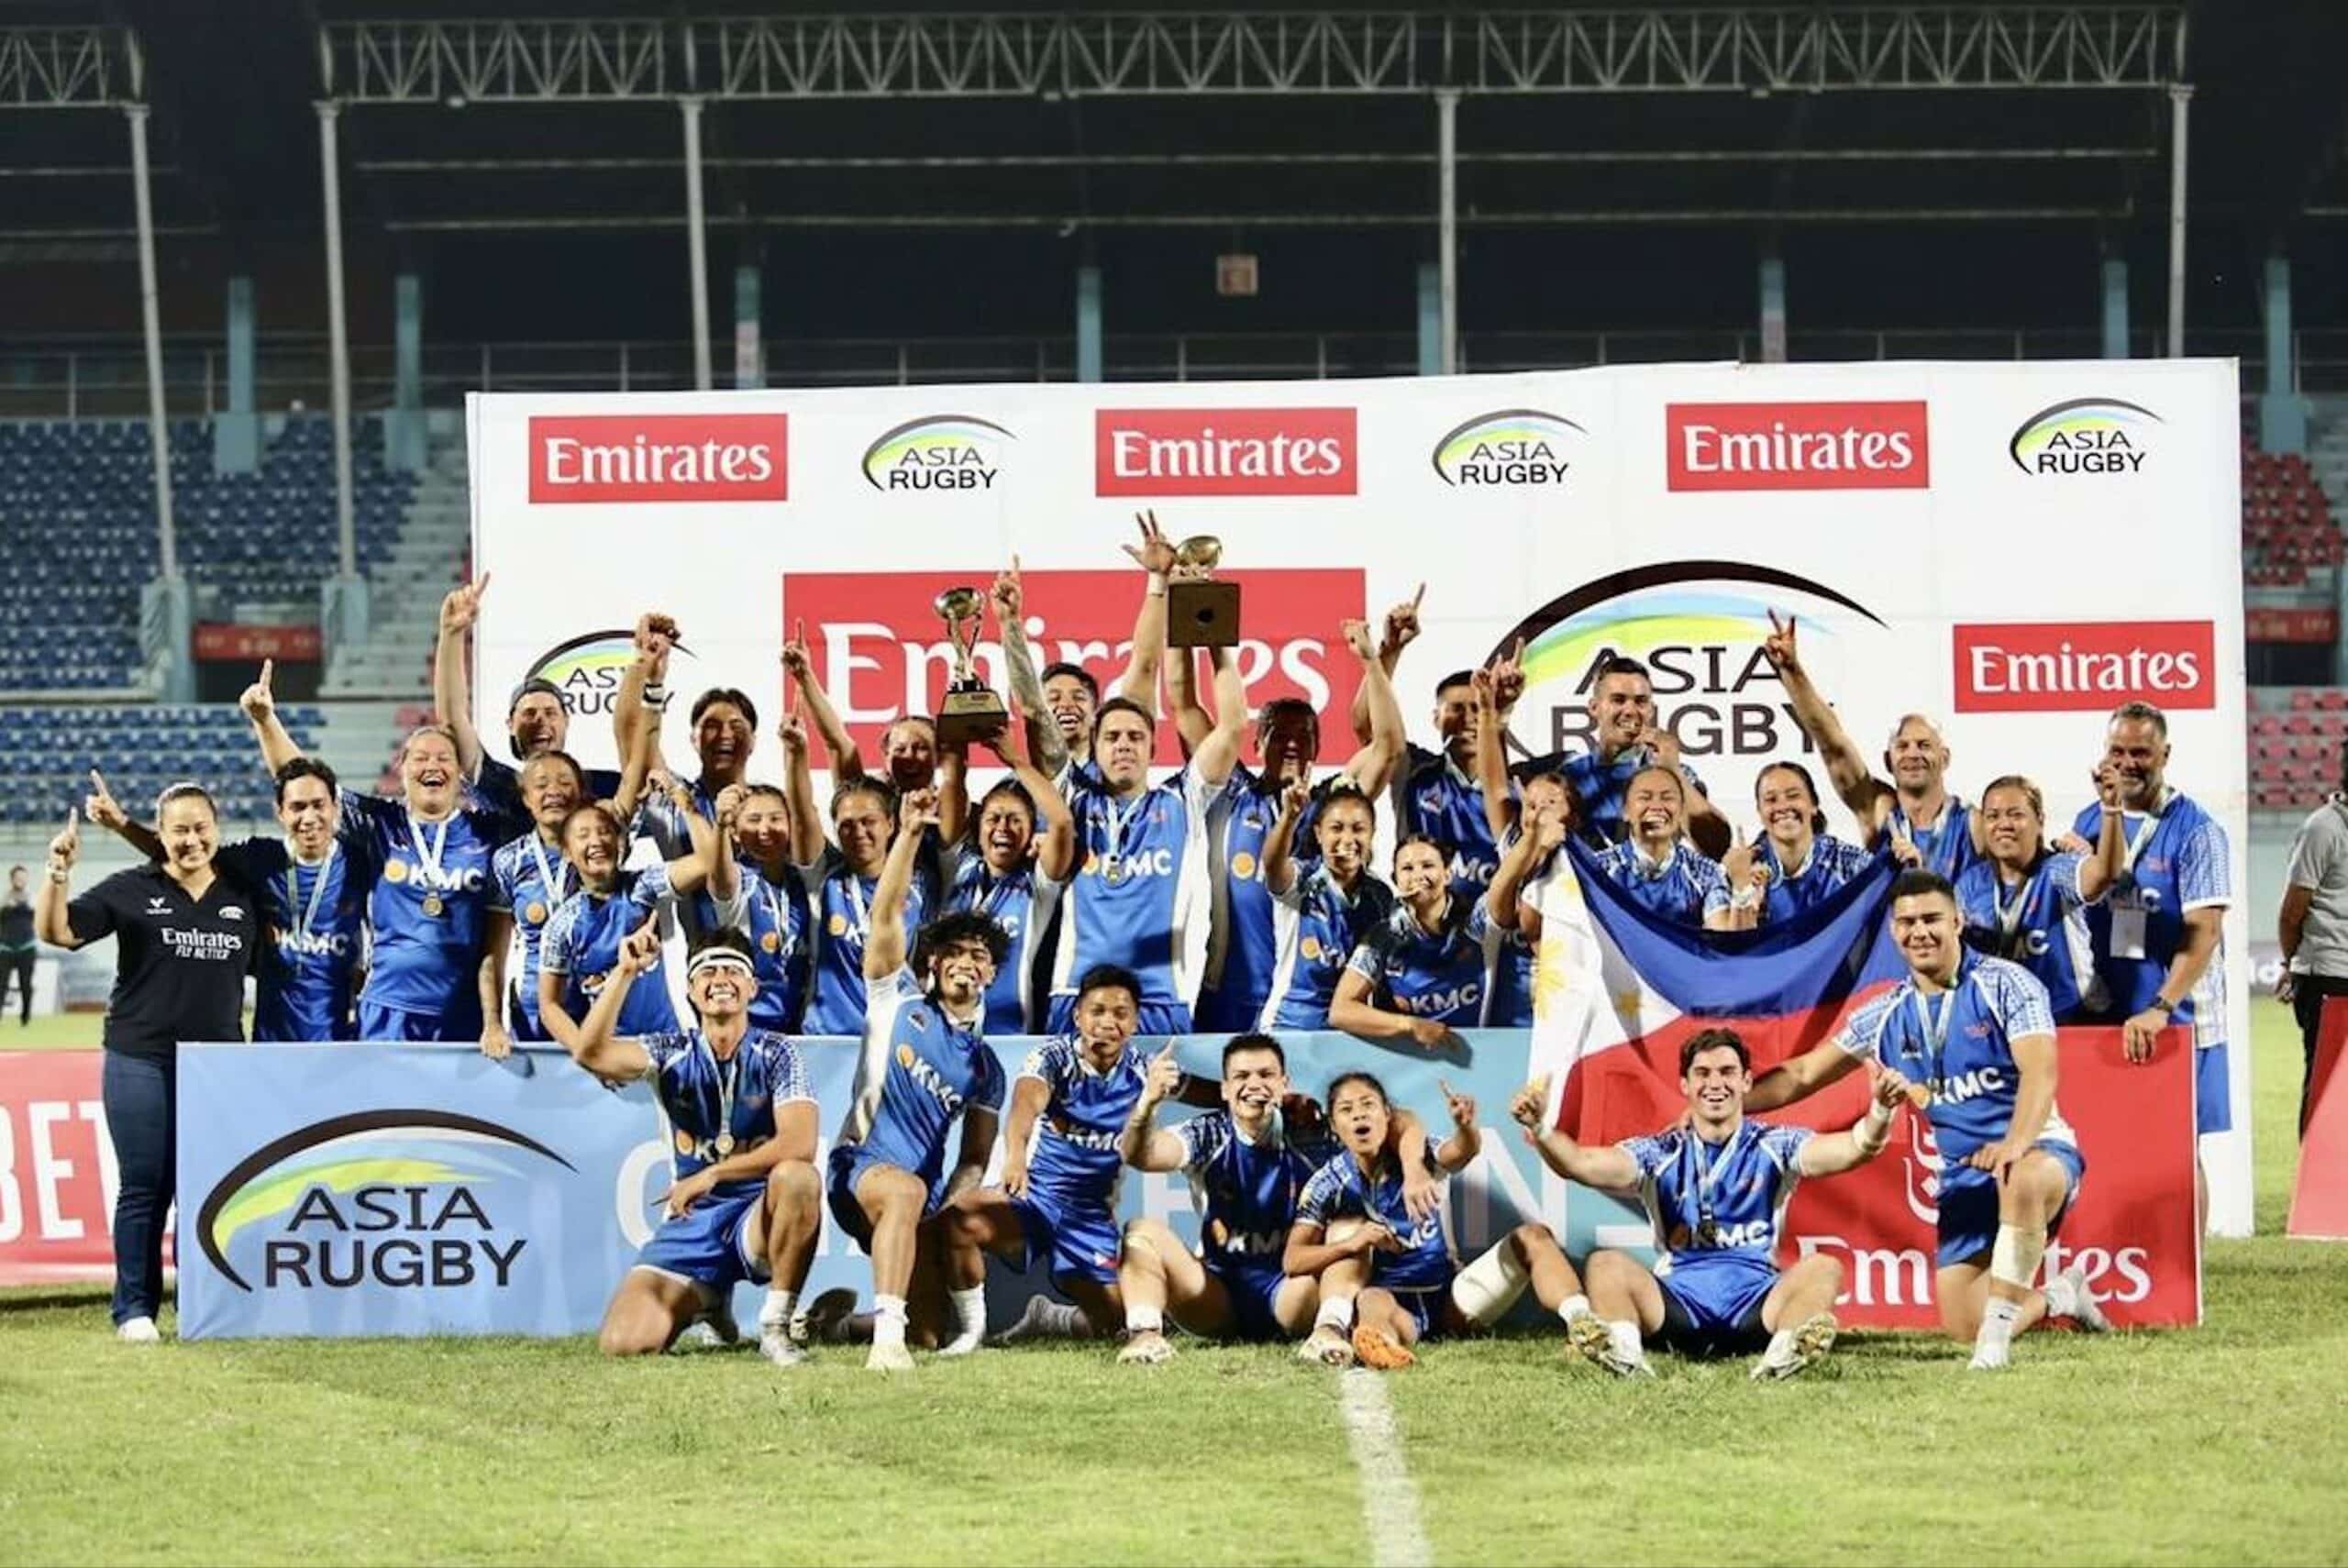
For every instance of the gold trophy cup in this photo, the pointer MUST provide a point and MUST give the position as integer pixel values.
(972, 710)
(1200, 612)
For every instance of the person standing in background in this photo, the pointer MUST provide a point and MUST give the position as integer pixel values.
(2312, 925)
(18, 947)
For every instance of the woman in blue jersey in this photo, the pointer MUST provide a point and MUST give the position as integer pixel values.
(756, 889)
(1323, 908)
(2027, 901)
(581, 943)
(1425, 970)
(864, 819)
(530, 879)
(1795, 864)
(1655, 864)
(1010, 867)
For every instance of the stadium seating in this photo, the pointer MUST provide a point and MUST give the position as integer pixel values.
(2296, 737)
(2287, 528)
(78, 541)
(48, 753)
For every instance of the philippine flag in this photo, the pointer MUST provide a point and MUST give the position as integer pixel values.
(1616, 990)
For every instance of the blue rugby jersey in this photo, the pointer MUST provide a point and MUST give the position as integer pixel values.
(315, 920)
(1318, 925)
(775, 916)
(919, 1071)
(1340, 1190)
(1833, 863)
(1741, 1185)
(421, 962)
(2039, 923)
(1599, 789)
(1444, 974)
(1022, 901)
(1073, 1161)
(1946, 847)
(519, 885)
(843, 906)
(1958, 1044)
(2177, 861)
(703, 1097)
(1242, 946)
(581, 943)
(1686, 887)
(1139, 897)
(1432, 796)
(1246, 1190)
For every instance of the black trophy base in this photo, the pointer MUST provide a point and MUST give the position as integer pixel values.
(973, 714)
(1202, 614)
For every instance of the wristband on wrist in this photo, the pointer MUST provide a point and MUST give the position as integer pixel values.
(1158, 585)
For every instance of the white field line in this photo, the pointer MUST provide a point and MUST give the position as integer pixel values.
(1390, 1498)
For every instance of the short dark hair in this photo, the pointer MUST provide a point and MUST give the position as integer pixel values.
(1075, 672)
(1620, 664)
(1456, 678)
(556, 754)
(1714, 1039)
(1010, 788)
(302, 768)
(1342, 1080)
(535, 684)
(730, 694)
(725, 938)
(950, 930)
(1431, 842)
(1120, 705)
(1817, 817)
(1286, 707)
(871, 784)
(1109, 978)
(187, 790)
(619, 828)
(1916, 882)
(1239, 1042)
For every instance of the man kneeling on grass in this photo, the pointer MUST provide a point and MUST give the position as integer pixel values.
(1715, 1189)
(1414, 1290)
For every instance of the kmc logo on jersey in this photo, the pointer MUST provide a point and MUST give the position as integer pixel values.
(1511, 447)
(411, 1199)
(1225, 451)
(666, 457)
(2101, 436)
(1798, 446)
(936, 452)
(1699, 627)
(588, 669)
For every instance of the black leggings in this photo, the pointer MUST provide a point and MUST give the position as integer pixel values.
(18, 966)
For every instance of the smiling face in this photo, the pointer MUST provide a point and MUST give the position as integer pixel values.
(1545, 793)
(1123, 748)
(1360, 1116)
(1288, 739)
(1655, 805)
(1006, 827)
(960, 973)
(1716, 1085)
(762, 825)
(1253, 1082)
(2011, 825)
(1106, 1017)
(1457, 722)
(428, 774)
(1070, 703)
(539, 723)
(190, 832)
(1926, 929)
(721, 991)
(1786, 807)
(308, 812)
(1917, 756)
(910, 745)
(1622, 709)
(1420, 874)
(550, 789)
(1344, 831)
(862, 824)
(2139, 752)
(590, 844)
(722, 738)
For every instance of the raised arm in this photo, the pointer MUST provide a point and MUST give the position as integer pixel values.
(1143, 1145)
(592, 1043)
(1019, 669)
(51, 923)
(2099, 872)
(799, 664)
(1831, 1153)
(451, 687)
(886, 942)
(953, 791)
(1218, 753)
(1609, 1169)
(1846, 769)
(104, 810)
(696, 870)
(1504, 900)
(1466, 1139)
(1800, 1077)
(1192, 721)
(1055, 823)
(1374, 765)
(1156, 557)
(722, 872)
(1279, 862)
(259, 703)
(642, 756)
(644, 691)
(1400, 630)
(799, 788)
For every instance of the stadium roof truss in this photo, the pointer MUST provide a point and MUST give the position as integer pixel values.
(69, 68)
(1745, 49)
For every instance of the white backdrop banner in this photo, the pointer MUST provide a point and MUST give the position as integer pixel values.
(2011, 548)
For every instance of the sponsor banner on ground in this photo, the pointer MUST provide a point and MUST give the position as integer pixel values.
(334, 1190)
(1941, 531)
(57, 1170)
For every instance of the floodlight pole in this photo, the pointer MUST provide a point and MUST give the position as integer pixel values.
(338, 337)
(159, 433)
(1446, 125)
(697, 240)
(2179, 98)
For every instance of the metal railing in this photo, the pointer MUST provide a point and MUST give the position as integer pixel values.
(106, 377)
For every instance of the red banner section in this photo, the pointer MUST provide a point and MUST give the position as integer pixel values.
(237, 644)
(2295, 624)
(883, 653)
(2131, 1228)
(57, 1174)
(2319, 1193)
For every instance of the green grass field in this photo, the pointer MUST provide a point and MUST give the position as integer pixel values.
(2219, 1445)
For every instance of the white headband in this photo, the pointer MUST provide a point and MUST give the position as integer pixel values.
(709, 957)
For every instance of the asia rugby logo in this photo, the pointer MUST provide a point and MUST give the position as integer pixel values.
(1698, 627)
(1507, 446)
(402, 1199)
(938, 451)
(588, 669)
(2085, 435)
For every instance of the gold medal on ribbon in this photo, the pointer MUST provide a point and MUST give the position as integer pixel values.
(433, 905)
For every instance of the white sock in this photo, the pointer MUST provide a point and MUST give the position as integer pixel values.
(1142, 1319)
(970, 1312)
(1997, 1331)
(779, 1309)
(1624, 1332)
(2062, 1297)
(1337, 1313)
(1781, 1348)
(1573, 1307)
(888, 1319)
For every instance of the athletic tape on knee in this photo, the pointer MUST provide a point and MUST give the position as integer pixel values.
(2014, 1258)
(1487, 1289)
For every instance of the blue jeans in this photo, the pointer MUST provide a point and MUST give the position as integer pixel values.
(139, 1094)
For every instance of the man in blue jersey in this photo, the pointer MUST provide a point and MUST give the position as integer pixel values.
(1974, 1037)
(1058, 1197)
(1625, 741)
(427, 904)
(2027, 901)
(746, 1204)
(1715, 1189)
(2158, 935)
(313, 898)
(1913, 805)
(926, 1064)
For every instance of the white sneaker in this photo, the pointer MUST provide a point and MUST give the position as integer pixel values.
(1811, 1341)
(1327, 1345)
(138, 1332)
(889, 1358)
(962, 1343)
(775, 1344)
(1149, 1349)
(2071, 1299)
(1988, 1359)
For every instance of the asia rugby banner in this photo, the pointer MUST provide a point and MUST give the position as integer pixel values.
(2011, 548)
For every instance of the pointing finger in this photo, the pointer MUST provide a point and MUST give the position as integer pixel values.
(1420, 597)
(98, 783)
(482, 586)
(1014, 563)
(268, 672)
